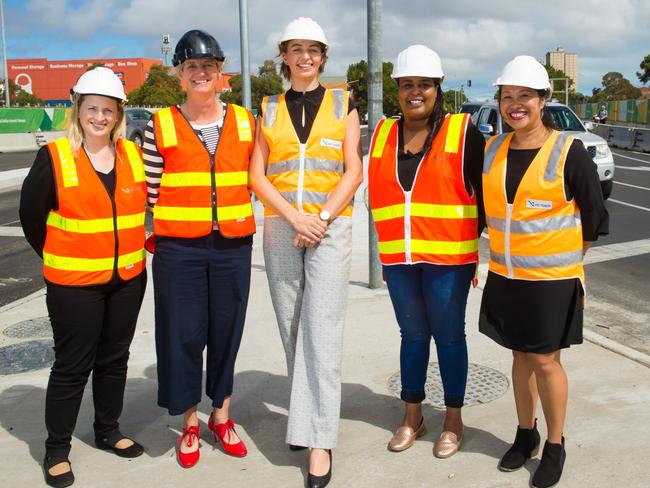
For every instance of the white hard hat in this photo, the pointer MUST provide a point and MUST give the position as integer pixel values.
(100, 81)
(524, 71)
(418, 60)
(303, 28)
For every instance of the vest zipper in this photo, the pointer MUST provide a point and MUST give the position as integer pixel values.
(407, 227)
(509, 207)
(301, 177)
(213, 189)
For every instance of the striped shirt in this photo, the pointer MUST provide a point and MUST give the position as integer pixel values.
(154, 163)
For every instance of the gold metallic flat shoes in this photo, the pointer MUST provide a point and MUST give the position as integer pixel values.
(405, 436)
(447, 445)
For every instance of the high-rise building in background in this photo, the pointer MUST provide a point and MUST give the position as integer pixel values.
(567, 62)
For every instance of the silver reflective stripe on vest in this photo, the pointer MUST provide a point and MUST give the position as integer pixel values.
(554, 158)
(313, 197)
(339, 103)
(271, 110)
(491, 152)
(548, 261)
(537, 225)
(314, 164)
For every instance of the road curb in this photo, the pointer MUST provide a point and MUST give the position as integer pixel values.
(13, 178)
(21, 301)
(614, 346)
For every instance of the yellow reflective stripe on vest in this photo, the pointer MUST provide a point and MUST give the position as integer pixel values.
(232, 178)
(243, 123)
(187, 214)
(420, 246)
(94, 225)
(85, 264)
(137, 167)
(234, 212)
(382, 136)
(68, 166)
(167, 128)
(431, 210)
(453, 133)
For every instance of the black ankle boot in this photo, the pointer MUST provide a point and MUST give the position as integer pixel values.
(525, 446)
(550, 467)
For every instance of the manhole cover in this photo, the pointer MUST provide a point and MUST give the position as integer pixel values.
(483, 385)
(26, 356)
(39, 327)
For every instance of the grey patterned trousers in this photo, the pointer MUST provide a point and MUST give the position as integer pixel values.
(309, 288)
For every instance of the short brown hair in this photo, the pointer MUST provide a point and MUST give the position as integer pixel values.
(284, 68)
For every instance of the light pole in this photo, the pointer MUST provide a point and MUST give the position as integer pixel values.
(4, 54)
(245, 65)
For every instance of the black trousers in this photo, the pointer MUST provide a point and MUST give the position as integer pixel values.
(201, 291)
(93, 327)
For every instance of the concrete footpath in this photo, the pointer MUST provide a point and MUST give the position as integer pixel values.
(607, 430)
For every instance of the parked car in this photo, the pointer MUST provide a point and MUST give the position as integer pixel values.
(136, 121)
(470, 108)
(489, 122)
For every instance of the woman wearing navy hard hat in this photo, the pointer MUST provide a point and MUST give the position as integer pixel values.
(424, 187)
(82, 209)
(196, 157)
(544, 208)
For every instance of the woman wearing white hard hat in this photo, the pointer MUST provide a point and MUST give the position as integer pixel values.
(424, 183)
(196, 157)
(544, 207)
(306, 168)
(82, 209)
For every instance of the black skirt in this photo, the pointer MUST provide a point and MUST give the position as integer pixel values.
(532, 316)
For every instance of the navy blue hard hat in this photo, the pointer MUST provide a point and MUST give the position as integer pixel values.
(197, 44)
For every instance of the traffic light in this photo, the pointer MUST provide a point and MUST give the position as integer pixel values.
(469, 83)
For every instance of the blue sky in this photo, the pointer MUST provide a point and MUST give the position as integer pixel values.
(474, 39)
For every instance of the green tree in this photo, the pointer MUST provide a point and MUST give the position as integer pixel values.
(615, 87)
(95, 65)
(267, 82)
(19, 97)
(357, 77)
(453, 97)
(160, 89)
(559, 85)
(644, 74)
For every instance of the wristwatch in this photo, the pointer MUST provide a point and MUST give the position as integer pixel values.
(325, 216)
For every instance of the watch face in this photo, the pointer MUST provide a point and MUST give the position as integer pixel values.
(324, 215)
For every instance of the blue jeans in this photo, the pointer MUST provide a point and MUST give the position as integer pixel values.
(430, 300)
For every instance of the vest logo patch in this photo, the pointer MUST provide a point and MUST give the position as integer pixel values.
(331, 143)
(543, 204)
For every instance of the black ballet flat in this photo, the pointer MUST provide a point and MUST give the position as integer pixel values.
(107, 444)
(314, 481)
(60, 480)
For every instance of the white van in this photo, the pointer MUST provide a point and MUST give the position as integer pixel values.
(488, 120)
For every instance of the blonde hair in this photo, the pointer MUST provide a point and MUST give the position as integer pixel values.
(75, 132)
(179, 69)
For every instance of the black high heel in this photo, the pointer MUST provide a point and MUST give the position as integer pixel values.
(314, 481)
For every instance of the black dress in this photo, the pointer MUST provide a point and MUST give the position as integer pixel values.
(544, 316)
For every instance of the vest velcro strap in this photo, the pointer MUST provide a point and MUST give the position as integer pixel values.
(435, 211)
(203, 178)
(86, 264)
(382, 136)
(95, 225)
(569, 258)
(419, 246)
(453, 133)
(243, 123)
(492, 149)
(135, 161)
(187, 214)
(234, 212)
(68, 165)
(535, 226)
(311, 164)
(167, 128)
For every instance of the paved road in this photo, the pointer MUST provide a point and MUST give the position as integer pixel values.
(618, 288)
(16, 160)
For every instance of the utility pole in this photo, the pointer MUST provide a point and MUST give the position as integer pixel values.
(166, 48)
(375, 112)
(4, 54)
(245, 65)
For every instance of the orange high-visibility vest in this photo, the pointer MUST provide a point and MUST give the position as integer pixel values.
(88, 237)
(435, 222)
(539, 235)
(306, 174)
(195, 196)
